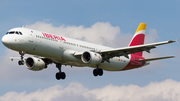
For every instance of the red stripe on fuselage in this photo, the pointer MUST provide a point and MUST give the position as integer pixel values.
(134, 62)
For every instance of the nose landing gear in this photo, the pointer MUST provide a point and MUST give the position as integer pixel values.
(21, 62)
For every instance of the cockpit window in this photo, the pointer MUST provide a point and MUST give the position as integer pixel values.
(13, 32)
(17, 33)
(20, 33)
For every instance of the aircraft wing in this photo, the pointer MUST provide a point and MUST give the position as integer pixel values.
(17, 58)
(133, 49)
(24, 58)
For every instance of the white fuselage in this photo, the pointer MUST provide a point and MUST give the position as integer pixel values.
(59, 49)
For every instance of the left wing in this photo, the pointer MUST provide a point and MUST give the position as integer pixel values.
(47, 60)
(17, 58)
(152, 59)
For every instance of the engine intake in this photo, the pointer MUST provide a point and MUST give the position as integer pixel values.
(35, 64)
(91, 58)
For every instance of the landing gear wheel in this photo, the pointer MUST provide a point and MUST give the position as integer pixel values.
(95, 72)
(58, 77)
(21, 62)
(100, 72)
(63, 75)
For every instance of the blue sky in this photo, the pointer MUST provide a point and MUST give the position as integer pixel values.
(161, 17)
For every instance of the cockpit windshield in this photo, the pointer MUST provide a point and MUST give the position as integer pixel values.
(14, 32)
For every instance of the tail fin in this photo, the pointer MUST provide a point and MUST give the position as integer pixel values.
(138, 38)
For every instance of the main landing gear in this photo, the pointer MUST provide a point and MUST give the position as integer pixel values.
(21, 62)
(60, 75)
(98, 71)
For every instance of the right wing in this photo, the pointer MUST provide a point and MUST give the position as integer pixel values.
(110, 53)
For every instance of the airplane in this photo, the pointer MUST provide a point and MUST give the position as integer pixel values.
(49, 48)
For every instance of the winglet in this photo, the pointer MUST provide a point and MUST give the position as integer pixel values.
(177, 41)
(171, 41)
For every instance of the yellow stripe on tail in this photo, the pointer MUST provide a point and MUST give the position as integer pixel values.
(142, 26)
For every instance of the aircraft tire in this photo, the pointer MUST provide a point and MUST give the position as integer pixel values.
(21, 62)
(63, 75)
(58, 77)
(100, 72)
(95, 72)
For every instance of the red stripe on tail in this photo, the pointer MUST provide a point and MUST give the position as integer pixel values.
(138, 40)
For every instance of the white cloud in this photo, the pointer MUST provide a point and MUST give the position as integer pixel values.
(7, 67)
(167, 90)
(11, 70)
(156, 91)
(152, 36)
(99, 33)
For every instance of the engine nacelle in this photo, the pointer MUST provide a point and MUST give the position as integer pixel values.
(35, 64)
(91, 58)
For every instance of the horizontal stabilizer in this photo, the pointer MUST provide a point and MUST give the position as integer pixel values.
(152, 59)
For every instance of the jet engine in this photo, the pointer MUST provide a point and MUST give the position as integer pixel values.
(35, 64)
(91, 58)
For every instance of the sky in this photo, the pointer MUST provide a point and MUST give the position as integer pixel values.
(110, 23)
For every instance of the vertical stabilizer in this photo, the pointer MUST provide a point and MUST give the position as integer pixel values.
(139, 36)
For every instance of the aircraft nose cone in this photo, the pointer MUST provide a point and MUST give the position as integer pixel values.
(8, 42)
(4, 40)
